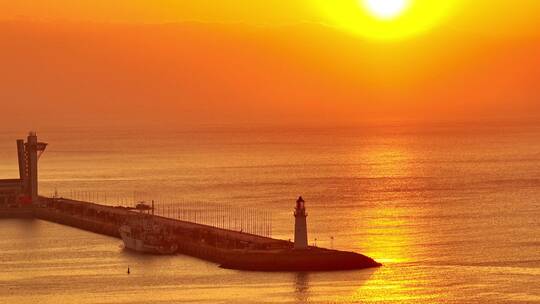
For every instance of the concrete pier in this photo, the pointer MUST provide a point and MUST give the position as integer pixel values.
(229, 249)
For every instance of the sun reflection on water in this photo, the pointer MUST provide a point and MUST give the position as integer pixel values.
(387, 236)
(387, 230)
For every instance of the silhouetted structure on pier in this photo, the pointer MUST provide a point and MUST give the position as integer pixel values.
(24, 190)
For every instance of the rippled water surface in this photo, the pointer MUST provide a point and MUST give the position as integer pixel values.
(452, 211)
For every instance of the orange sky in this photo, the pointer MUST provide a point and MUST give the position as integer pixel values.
(259, 61)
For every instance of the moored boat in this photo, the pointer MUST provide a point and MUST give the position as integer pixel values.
(143, 235)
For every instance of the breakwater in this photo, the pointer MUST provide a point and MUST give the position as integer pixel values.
(228, 248)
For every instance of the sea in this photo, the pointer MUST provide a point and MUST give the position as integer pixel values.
(451, 210)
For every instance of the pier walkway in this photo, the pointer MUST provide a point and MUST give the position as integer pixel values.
(194, 239)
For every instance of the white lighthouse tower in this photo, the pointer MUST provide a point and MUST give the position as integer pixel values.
(300, 225)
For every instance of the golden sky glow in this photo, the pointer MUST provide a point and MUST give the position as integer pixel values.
(515, 16)
(340, 61)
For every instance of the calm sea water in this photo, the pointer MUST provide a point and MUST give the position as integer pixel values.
(453, 212)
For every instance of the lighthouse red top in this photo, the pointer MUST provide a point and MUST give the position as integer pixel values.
(300, 207)
(300, 203)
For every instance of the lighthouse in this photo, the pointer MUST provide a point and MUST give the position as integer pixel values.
(300, 225)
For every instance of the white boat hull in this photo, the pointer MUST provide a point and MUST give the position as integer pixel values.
(140, 246)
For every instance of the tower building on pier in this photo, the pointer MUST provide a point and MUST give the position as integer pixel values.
(25, 188)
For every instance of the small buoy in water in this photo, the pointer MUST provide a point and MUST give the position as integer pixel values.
(128, 272)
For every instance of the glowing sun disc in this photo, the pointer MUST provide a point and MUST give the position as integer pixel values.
(385, 9)
(386, 19)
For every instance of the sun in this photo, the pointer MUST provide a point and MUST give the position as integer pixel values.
(385, 20)
(385, 9)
